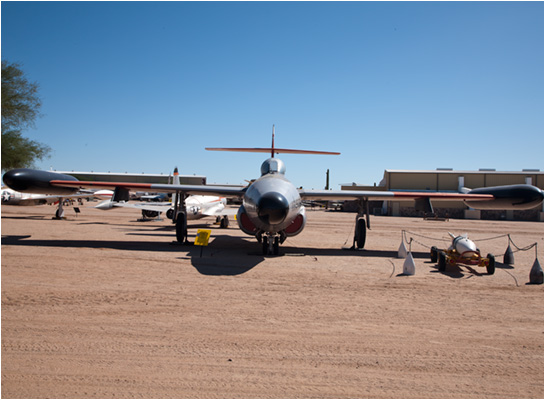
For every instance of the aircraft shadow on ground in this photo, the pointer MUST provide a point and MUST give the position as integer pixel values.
(229, 256)
(340, 252)
(91, 244)
(32, 217)
(225, 255)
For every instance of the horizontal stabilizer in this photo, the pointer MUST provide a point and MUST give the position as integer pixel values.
(269, 150)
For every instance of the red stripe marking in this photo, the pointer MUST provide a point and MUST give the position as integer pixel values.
(103, 184)
(415, 195)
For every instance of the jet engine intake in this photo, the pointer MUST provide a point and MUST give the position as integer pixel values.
(297, 224)
(244, 222)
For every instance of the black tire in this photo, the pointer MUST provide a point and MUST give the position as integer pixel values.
(224, 223)
(361, 231)
(150, 214)
(265, 244)
(276, 246)
(491, 267)
(181, 228)
(433, 254)
(170, 213)
(442, 261)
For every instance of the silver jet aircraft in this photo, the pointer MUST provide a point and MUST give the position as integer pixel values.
(272, 207)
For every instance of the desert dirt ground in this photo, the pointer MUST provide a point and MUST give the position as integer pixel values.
(103, 306)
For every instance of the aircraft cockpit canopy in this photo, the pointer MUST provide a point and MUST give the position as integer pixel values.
(273, 166)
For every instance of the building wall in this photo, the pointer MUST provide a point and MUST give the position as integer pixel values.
(447, 180)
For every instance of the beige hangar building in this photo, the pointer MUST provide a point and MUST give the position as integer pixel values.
(449, 180)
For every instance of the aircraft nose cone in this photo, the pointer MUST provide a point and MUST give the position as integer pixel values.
(272, 208)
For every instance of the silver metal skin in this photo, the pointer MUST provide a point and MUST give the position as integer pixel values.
(272, 202)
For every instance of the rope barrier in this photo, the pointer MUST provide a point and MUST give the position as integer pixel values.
(449, 240)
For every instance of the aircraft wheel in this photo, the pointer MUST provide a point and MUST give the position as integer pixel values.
(433, 254)
(58, 214)
(224, 223)
(360, 233)
(442, 261)
(276, 246)
(150, 214)
(181, 228)
(170, 213)
(265, 244)
(491, 267)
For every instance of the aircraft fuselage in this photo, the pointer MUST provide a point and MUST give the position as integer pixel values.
(271, 206)
(272, 203)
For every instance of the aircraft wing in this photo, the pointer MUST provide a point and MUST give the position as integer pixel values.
(388, 195)
(225, 191)
(46, 199)
(220, 211)
(159, 207)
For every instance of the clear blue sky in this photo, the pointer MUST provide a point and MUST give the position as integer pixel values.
(144, 86)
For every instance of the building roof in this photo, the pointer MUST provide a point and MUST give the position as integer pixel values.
(453, 171)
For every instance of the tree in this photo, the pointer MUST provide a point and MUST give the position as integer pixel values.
(20, 108)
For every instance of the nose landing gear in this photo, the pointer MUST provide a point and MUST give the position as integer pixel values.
(271, 242)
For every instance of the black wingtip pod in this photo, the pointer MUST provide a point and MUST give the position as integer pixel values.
(34, 181)
(511, 197)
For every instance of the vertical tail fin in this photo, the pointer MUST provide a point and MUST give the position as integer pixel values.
(176, 177)
(175, 181)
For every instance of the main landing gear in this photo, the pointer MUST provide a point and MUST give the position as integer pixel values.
(223, 221)
(181, 227)
(59, 212)
(179, 217)
(360, 230)
(360, 233)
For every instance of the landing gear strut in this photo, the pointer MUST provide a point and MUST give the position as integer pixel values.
(59, 213)
(180, 216)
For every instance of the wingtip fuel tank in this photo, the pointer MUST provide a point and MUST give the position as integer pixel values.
(33, 181)
(509, 197)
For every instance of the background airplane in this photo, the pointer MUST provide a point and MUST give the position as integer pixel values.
(12, 197)
(272, 207)
(197, 207)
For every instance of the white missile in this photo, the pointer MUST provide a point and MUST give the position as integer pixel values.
(463, 246)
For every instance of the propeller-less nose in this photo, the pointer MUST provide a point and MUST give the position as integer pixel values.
(272, 208)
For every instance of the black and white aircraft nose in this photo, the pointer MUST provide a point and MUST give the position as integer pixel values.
(272, 208)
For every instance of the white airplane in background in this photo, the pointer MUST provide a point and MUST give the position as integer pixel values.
(197, 206)
(272, 207)
(14, 198)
